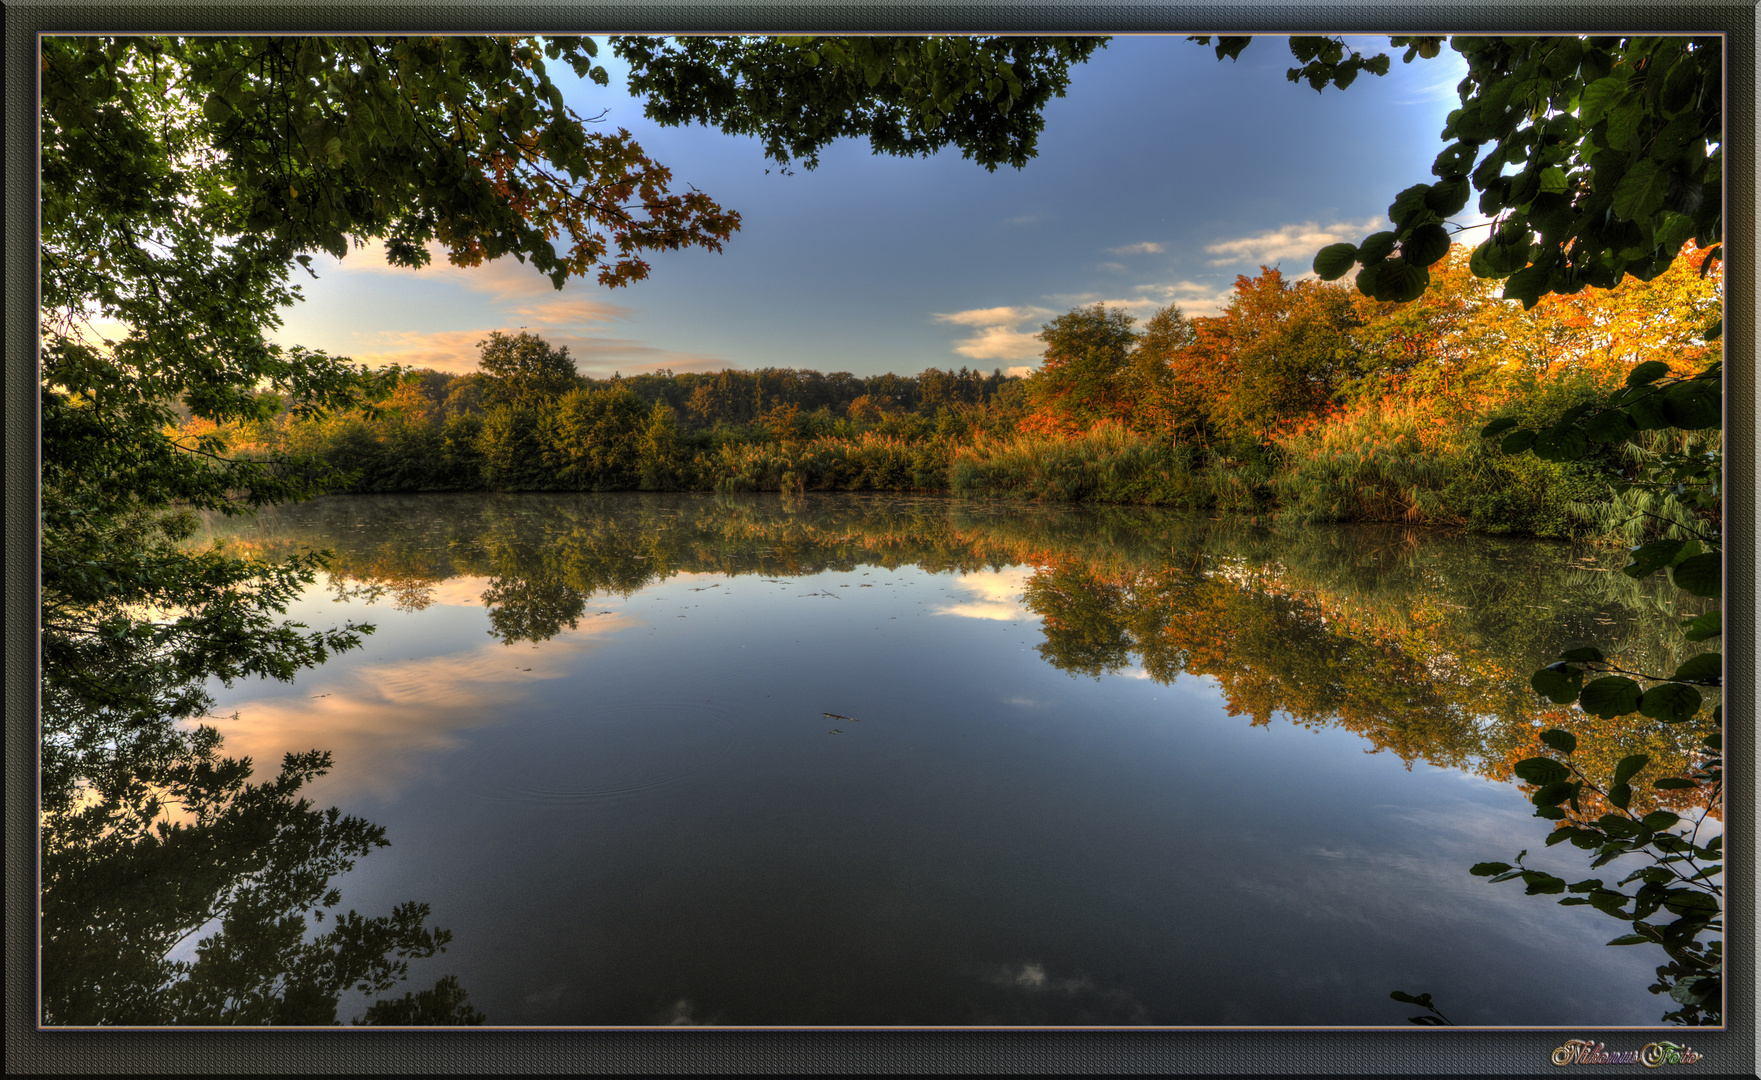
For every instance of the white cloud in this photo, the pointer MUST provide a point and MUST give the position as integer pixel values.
(1025, 219)
(506, 278)
(993, 316)
(386, 722)
(1289, 242)
(1148, 247)
(994, 595)
(997, 332)
(456, 351)
(1193, 297)
(1111, 267)
(1022, 372)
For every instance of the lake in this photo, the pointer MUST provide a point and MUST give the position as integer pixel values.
(872, 760)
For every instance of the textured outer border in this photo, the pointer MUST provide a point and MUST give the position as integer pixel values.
(1418, 1051)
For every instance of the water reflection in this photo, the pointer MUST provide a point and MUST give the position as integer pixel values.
(674, 834)
(127, 889)
(1422, 644)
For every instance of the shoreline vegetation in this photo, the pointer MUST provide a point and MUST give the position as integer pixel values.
(1301, 402)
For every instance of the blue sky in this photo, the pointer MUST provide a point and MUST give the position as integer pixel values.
(1161, 175)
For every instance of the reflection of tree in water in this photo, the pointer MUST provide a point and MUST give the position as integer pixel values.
(131, 879)
(1421, 643)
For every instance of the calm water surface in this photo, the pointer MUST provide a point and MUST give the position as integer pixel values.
(864, 760)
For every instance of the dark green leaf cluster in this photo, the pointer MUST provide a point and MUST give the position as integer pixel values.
(906, 96)
(1597, 157)
(1680, 875)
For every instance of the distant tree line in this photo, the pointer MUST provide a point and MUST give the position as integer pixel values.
(1300, 399)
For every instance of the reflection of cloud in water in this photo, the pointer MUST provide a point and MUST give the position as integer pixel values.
(995, 594)
(460, 591)
(1081, 1001)
(380, 721)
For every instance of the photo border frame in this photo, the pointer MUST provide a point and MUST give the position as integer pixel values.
(1419, 1051)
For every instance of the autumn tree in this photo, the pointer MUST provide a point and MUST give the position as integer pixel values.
(1277, 357)
(1084, 375)
(1163, 405)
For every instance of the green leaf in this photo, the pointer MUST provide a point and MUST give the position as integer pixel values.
(1540, 884)
(1527, 285)
(1631, 939)
(1563, 741)
(1593, 102)
(1378, 247)
(1641, 191)
(1694, 404)
(1540, 770)
(1658, 820)
(1450, 194)
(1709, 625)
(1683, 901)
(1401, 281)
(1700, 575)
(1646, 411)
(1629, 766)
(1620, 795)
(1673, 783)
(1335, 260)
(1561, 442)
(1706, 668)
(1517, 441)
(1425, 246)
(1586, 655)
(1502, 424)
(1408, 204)
(1610, 425)
(1559, 683)
(1648, 372)
(1552, 794)
(1652, 557)
(1670, 702)
(1610, 696)
(1487, 869)
(1623, 122)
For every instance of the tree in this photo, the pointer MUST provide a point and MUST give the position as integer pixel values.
(524, 369)
(1289, 350)
(590, 439)
(909, 96)
(1162, 404)
(1083, 376)
(1620, 142)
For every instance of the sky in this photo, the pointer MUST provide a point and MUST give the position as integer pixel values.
(1162, 174)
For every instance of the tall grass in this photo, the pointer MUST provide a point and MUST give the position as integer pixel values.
(1387, 461)
(1109, 463)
